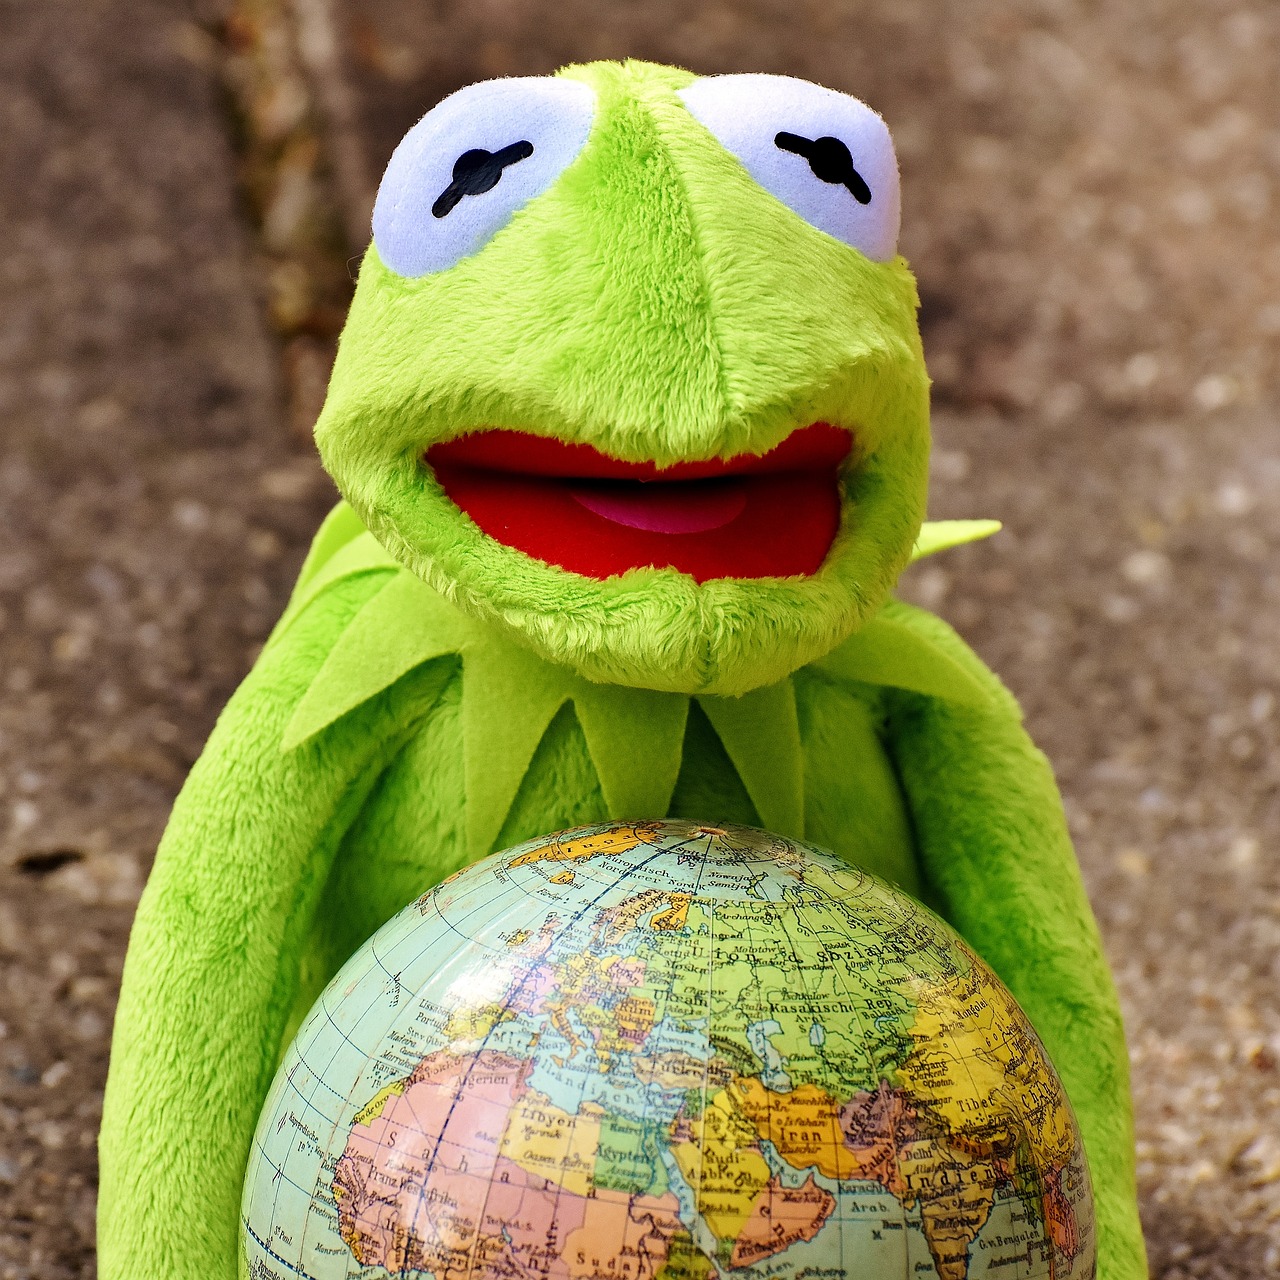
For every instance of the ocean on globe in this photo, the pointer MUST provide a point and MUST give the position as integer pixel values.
(664, 1051)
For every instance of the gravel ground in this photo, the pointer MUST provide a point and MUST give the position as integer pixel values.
(1133, 604)
(1089, 196)
(154, 508)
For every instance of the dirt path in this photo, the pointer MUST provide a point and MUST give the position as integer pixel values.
(1101, 380)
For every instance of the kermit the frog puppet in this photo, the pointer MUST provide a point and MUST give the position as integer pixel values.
(630, 419)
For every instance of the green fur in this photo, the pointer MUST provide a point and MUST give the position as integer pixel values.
(994, 848)
(633, 736)
(656, 304)
(887, 775)
(212, 970)
(430, 694)
(201, 1026)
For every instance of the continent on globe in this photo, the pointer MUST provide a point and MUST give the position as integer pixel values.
(780, 1216)
(568, 846)
(702, 1052)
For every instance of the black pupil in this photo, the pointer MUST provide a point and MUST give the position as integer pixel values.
(477, 171)
(830, 161)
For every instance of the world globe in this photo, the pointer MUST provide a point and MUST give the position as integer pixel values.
(664, 1051)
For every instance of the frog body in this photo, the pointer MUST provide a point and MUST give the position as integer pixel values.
(630, 468)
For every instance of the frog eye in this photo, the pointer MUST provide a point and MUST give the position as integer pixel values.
(825, 155)
(471, 162)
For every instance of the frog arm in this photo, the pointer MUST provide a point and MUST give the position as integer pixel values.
(997, 859)
(211, 971)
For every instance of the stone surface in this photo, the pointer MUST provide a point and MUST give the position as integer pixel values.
(1132, 603)
(154, 511)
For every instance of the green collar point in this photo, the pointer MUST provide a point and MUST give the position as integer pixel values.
(340, 527)
(404, 625)
(509, 699)
(890, 652)
(760, 732)
(942, 535)
(635, 736)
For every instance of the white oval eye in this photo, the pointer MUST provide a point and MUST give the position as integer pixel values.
(825, 155)
(461, 172)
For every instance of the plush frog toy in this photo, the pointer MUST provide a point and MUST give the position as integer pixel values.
(630, 418)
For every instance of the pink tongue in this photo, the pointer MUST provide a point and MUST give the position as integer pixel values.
(691, 506)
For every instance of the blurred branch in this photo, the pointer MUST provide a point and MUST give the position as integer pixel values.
(291, 183)
(319, 50)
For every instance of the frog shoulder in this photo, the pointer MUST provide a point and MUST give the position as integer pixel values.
(910, 649)
(400, 624)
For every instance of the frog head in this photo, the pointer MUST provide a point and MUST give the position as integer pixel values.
(633, 370)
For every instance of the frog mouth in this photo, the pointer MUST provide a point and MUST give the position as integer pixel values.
(770, 515)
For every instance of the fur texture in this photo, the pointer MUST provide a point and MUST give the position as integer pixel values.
(658, 305)
(432, 694)
(944, 795)
(995, 852)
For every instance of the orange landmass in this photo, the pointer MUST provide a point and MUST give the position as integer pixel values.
(804, 1126)
(598, 845)
(781, 1216)
(1059, 1216)
(721, 1159)
(622, 1237)
(956, 1193)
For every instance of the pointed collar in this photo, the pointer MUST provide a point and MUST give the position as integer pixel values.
(634, 736)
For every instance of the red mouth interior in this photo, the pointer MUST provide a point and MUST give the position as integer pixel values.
(753, 516)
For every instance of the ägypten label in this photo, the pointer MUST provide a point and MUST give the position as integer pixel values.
(661, 1051)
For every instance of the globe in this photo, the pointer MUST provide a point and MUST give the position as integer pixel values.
(665, 1051)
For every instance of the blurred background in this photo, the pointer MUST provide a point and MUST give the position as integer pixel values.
(1091, 197)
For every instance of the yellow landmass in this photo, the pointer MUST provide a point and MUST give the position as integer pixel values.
(617, 839)
(475, 1022)
(979, 1068)
(627, 914)
(549, 1142)
(676, 1070)
(373, 1108)
(955, 1192)
(721, 1160)
(631, 1023)
(564, 877)
(675, 916)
